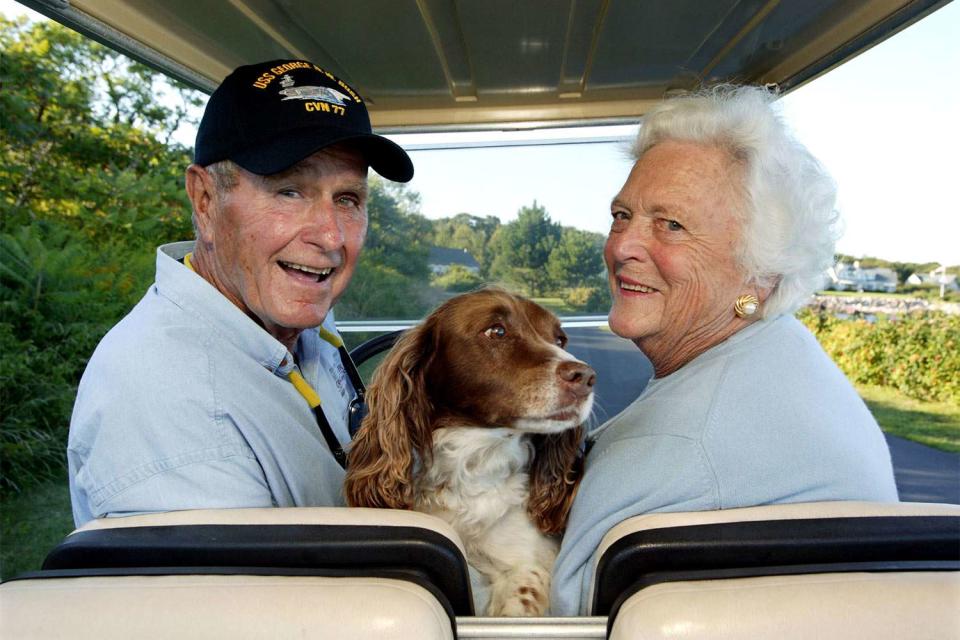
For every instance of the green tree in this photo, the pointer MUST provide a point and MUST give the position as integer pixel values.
(397, 235)
(466, 231)
(577, 259)
(72, 154)
(392, 277)
(90, 184)
(522, 248)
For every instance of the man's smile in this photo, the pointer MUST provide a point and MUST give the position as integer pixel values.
(304, 272)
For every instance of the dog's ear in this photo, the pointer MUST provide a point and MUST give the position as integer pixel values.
(554, 477)
(396, 433)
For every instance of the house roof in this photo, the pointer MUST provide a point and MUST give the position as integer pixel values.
(448, 256)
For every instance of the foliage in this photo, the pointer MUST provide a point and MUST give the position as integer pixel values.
(458, 279)
(90, 186)
(465, 231)
(380, 291)
(522, 249)
(58, 298)
(928, 292)
(531, 254)
(36, 394)
(397, 237)
(590, 299)
(391, 280)
(577, 257)
(74, 155)
(918, 354)
(32, 523)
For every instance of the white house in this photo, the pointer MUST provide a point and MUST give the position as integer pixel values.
(442, 258)
(936, 278)
(851, 277)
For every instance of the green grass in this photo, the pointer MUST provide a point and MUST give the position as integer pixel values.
(935, 424)
(31, 524)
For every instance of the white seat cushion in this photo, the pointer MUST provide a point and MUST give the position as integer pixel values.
(794, 511)
(823, 606)
(207, 606)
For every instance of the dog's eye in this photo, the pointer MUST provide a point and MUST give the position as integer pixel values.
(561, 341)
(496, 331)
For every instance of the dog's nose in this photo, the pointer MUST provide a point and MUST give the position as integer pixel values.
(577, 377)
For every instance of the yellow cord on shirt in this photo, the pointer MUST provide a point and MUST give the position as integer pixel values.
(299, 382)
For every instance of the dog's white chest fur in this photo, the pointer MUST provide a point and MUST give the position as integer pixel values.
(476, 477)
(478, 483)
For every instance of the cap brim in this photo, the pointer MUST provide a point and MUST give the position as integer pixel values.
(383, 155)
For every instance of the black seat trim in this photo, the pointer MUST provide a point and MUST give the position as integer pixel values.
(773, 547)
(362, 352)
(421, 555)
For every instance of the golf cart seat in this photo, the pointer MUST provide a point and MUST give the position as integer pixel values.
(246, 573)
(816, 570)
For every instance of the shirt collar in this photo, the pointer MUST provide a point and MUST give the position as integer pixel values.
(202, 300)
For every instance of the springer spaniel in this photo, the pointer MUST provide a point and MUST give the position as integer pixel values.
(475, 417)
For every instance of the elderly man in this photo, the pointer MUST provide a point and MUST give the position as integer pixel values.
(228, 385)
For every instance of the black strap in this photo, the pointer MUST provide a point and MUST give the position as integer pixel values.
(335, 447)
(339, 455)
(352, 371)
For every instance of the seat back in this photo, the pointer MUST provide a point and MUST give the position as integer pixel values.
(247, 573)
(220, 606)
(835, 606)
(810, 567)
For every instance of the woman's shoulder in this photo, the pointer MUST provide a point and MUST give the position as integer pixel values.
(780, 352)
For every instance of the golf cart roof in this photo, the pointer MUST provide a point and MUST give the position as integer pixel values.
(444, 64)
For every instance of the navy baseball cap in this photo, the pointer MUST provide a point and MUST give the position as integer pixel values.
(269, 116)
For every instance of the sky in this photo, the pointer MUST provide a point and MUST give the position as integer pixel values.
(884, 124)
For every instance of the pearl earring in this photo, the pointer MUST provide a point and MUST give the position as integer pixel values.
(746, 305)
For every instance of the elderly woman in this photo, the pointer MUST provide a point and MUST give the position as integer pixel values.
(724, 227)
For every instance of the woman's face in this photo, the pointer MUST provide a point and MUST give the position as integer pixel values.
(671, 253)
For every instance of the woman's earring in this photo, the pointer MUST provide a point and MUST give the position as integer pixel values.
(746, 305)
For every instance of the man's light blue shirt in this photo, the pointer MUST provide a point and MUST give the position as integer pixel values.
(185, 404)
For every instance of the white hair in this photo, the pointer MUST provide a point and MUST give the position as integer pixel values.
(789, 221)
(226, 176)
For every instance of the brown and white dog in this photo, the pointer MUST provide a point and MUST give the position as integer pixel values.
(475, 417)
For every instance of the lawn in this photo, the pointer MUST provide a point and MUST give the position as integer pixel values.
(935, 424)
(34, 521)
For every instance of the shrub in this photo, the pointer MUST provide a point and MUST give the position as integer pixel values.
(458, 279)
(36, 396)
(917, 354)
(592, 299)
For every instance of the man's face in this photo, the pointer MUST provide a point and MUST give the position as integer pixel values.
(283, 247)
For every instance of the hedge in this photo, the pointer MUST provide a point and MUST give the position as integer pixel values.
(917, 354)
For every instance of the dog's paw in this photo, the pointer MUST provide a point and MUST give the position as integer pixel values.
(523, 601)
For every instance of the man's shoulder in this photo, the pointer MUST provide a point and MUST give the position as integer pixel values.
(154, 332)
